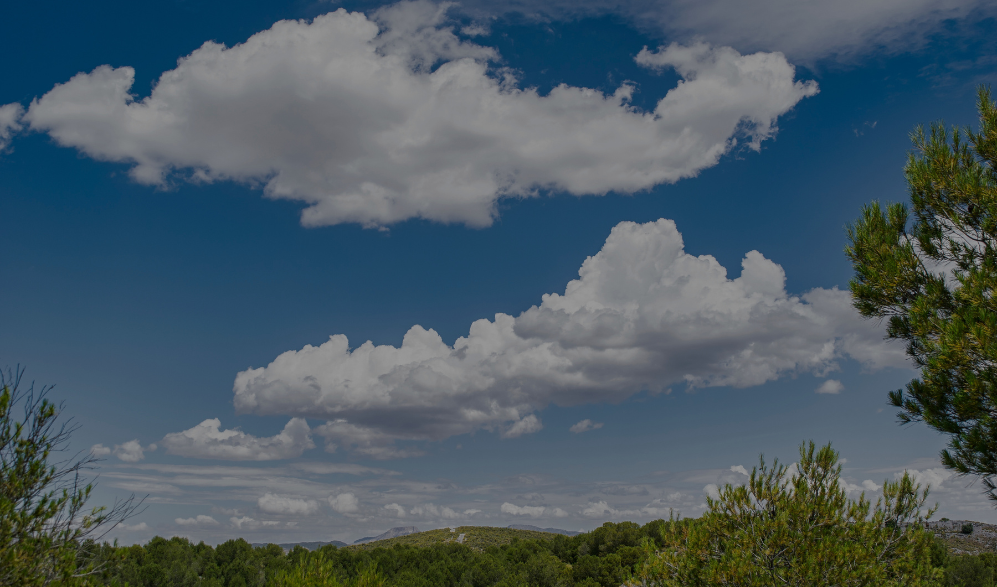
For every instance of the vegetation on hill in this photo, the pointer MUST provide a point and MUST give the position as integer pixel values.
(604, 557)
(607, 556)
(474, 537)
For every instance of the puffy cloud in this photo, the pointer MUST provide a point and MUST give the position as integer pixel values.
(831, 386)
(932, 478)
(140, 527)
(870, 485)
(379, 119)
(397, 509)
(241, 521)
(344, 503)
(585, 425)
(527, 425)
(740, 469)
(430, 510)
(208, 441)
(867, 486)
(10, 123)
(526, 510)
(643, 315)
(602, 509)
(271, 503)
(712, 490)
(200, 520)
(131, 451)
(99, 450)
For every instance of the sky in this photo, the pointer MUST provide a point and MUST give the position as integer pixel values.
(313, 270)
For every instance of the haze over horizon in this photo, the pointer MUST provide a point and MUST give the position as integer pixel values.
(307, 271)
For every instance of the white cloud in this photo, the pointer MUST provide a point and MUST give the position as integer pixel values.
(347, 114)
(712, 490)
(208, 441)
(344, 468)
(99, 450)
(643, 315)
(429, 510)
(271, 503)
(534, 511)
(200, 520)
(831, 386)
(740, 469)
(868, 486)
(10, 123)
(241, 521)
(344, 503)
(585, 425)
(932, 478)
(527, 425)
(397, 509)
(811, 30)
(140, 527)
(842, 29)
(603, 510)
(131, 451)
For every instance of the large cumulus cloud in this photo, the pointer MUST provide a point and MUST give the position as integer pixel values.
(643, 315)
(378, 119)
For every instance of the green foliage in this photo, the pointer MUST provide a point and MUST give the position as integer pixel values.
(967, 529)
(44, 522)
(949, 325)
(803, 530)
(604, 557)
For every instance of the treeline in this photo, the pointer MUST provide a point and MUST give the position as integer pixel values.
(605, 557)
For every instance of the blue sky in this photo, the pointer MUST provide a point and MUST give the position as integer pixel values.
(181, 249)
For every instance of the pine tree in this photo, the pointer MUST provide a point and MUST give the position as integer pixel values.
(932, 272)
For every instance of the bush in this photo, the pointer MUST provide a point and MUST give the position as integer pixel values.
(799, 530)
(47, 533)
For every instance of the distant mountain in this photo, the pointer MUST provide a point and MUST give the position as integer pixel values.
(392, 533)
(308, 545)
(538, 529)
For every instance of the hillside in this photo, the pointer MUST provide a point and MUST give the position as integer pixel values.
(982, 539)
(476, 537)
(309, 545)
